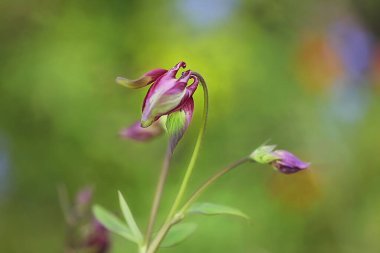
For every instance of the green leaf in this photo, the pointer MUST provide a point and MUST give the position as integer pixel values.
(129, 218)
(178, 234)
(214, 209)
(112, 223)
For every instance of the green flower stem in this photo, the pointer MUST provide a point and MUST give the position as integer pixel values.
(210, 181)
(142, 249)
(162, 233)
(180, 215)
(194, 156)
(171, 220)
(158, 195)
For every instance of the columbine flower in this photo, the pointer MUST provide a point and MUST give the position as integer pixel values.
(281, 160)
(168, 95)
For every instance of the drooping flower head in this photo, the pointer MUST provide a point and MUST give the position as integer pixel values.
(282, 160)
(168, 95)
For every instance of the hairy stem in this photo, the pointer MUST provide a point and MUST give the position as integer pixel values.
(194, 156)
(158, 195)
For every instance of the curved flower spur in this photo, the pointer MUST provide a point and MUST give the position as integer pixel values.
(167, 96)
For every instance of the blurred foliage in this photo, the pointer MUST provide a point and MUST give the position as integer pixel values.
(61, 112)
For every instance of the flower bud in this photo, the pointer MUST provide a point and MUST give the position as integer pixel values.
(282, 160)
(288, 163)
(84, 232)
(138, 133)
(264, 154)
(98, 240)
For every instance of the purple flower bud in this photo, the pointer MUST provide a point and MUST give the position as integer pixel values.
(98, 240)
(288, 163)
(83, 201)
(84, 196)
(281, 160)
(137, 133)
(84, 232)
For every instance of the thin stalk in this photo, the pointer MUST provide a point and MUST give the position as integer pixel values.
(63, 198)
(194, 156)
(179, 216)
(162, 233)
(210, 181)
(158, 195)
(142, 249)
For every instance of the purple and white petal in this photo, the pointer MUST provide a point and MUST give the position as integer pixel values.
(288, 163)
(137, 133)
(167, 94)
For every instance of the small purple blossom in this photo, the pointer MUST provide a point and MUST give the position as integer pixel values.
(288, 163)
(83, 201)
(138, 133)
(84, 196)
(84, 232)
(98, 240)
(281, 160)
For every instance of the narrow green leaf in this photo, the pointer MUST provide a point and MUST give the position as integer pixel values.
(129, 218)
(214, 209)
(178, 234)
(112, 223)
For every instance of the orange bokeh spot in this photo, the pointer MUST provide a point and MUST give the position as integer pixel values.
(317, 64)
(375, 69)
(298, 191)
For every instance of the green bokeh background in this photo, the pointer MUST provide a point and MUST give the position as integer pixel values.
(61, 113)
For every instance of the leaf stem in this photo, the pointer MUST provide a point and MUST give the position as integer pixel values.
(180, 215)
(194, 156)
(158, 195)
(162, 233)
(210, 181)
